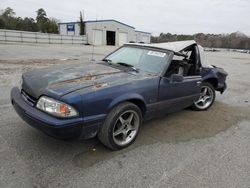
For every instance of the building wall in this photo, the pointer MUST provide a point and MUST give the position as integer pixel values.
(142, 37)
(108, 26)
(103, 27)
(64, 31)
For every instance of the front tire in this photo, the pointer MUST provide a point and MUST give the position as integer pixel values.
(207, 97)
(121, 126)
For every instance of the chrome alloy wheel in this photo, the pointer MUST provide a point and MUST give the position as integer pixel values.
(126, 127)
(206, 98)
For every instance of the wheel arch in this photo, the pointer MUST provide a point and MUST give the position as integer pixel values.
(136, 99)
(212, 80)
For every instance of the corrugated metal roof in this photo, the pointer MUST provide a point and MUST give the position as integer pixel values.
(93, 21)
(110, 20)
(142, 32)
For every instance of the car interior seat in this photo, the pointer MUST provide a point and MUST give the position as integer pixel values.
(184, 68)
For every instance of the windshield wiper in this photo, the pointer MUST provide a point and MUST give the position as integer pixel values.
(109, 61)
(128, 65)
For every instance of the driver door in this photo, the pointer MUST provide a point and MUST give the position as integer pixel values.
(176, 94)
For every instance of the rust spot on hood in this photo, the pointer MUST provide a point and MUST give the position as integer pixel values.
(89, 77)
(99, 85)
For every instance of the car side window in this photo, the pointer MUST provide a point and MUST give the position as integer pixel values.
(185, 66)
(182, 67)
(173, 68)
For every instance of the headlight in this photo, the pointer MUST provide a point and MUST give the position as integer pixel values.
(55, 107)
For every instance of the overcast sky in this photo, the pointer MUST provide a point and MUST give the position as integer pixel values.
(155, 16)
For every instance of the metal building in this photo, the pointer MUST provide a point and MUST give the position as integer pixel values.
(106, 32)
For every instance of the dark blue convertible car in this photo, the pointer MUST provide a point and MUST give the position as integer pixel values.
(112, 97)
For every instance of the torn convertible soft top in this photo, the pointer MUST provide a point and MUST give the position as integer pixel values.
(176, 47)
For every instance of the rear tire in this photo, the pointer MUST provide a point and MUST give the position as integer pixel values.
(207, 97)
(121, 126)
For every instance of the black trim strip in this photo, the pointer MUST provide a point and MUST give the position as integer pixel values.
(153, 106)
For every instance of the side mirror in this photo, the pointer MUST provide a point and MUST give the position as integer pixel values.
(176, 78)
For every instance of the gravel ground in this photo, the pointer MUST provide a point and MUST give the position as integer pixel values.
(184, 149)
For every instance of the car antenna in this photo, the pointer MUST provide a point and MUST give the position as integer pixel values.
(93, 45)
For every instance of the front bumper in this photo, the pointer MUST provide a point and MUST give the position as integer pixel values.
(58, 128)
(221, 88)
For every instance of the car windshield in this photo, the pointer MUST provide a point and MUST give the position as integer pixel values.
(143, 59)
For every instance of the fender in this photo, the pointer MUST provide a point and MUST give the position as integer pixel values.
(212, 74)
(126, 97)
(209, 77)
(219, 77)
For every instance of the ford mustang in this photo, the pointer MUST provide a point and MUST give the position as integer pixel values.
(111, 98)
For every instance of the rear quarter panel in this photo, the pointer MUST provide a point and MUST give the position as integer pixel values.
(214, 72)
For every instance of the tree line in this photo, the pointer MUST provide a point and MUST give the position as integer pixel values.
(9, 20)
(235, 40)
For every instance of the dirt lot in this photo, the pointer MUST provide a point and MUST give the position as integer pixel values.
(184, 149)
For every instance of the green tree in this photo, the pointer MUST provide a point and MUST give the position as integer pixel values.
(2, 23)
(42, 20)
(82, 24)
(8, 19)
(52, 26)
(8, 12)
(29, 24)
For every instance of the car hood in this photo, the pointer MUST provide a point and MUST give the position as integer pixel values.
(57, 81)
